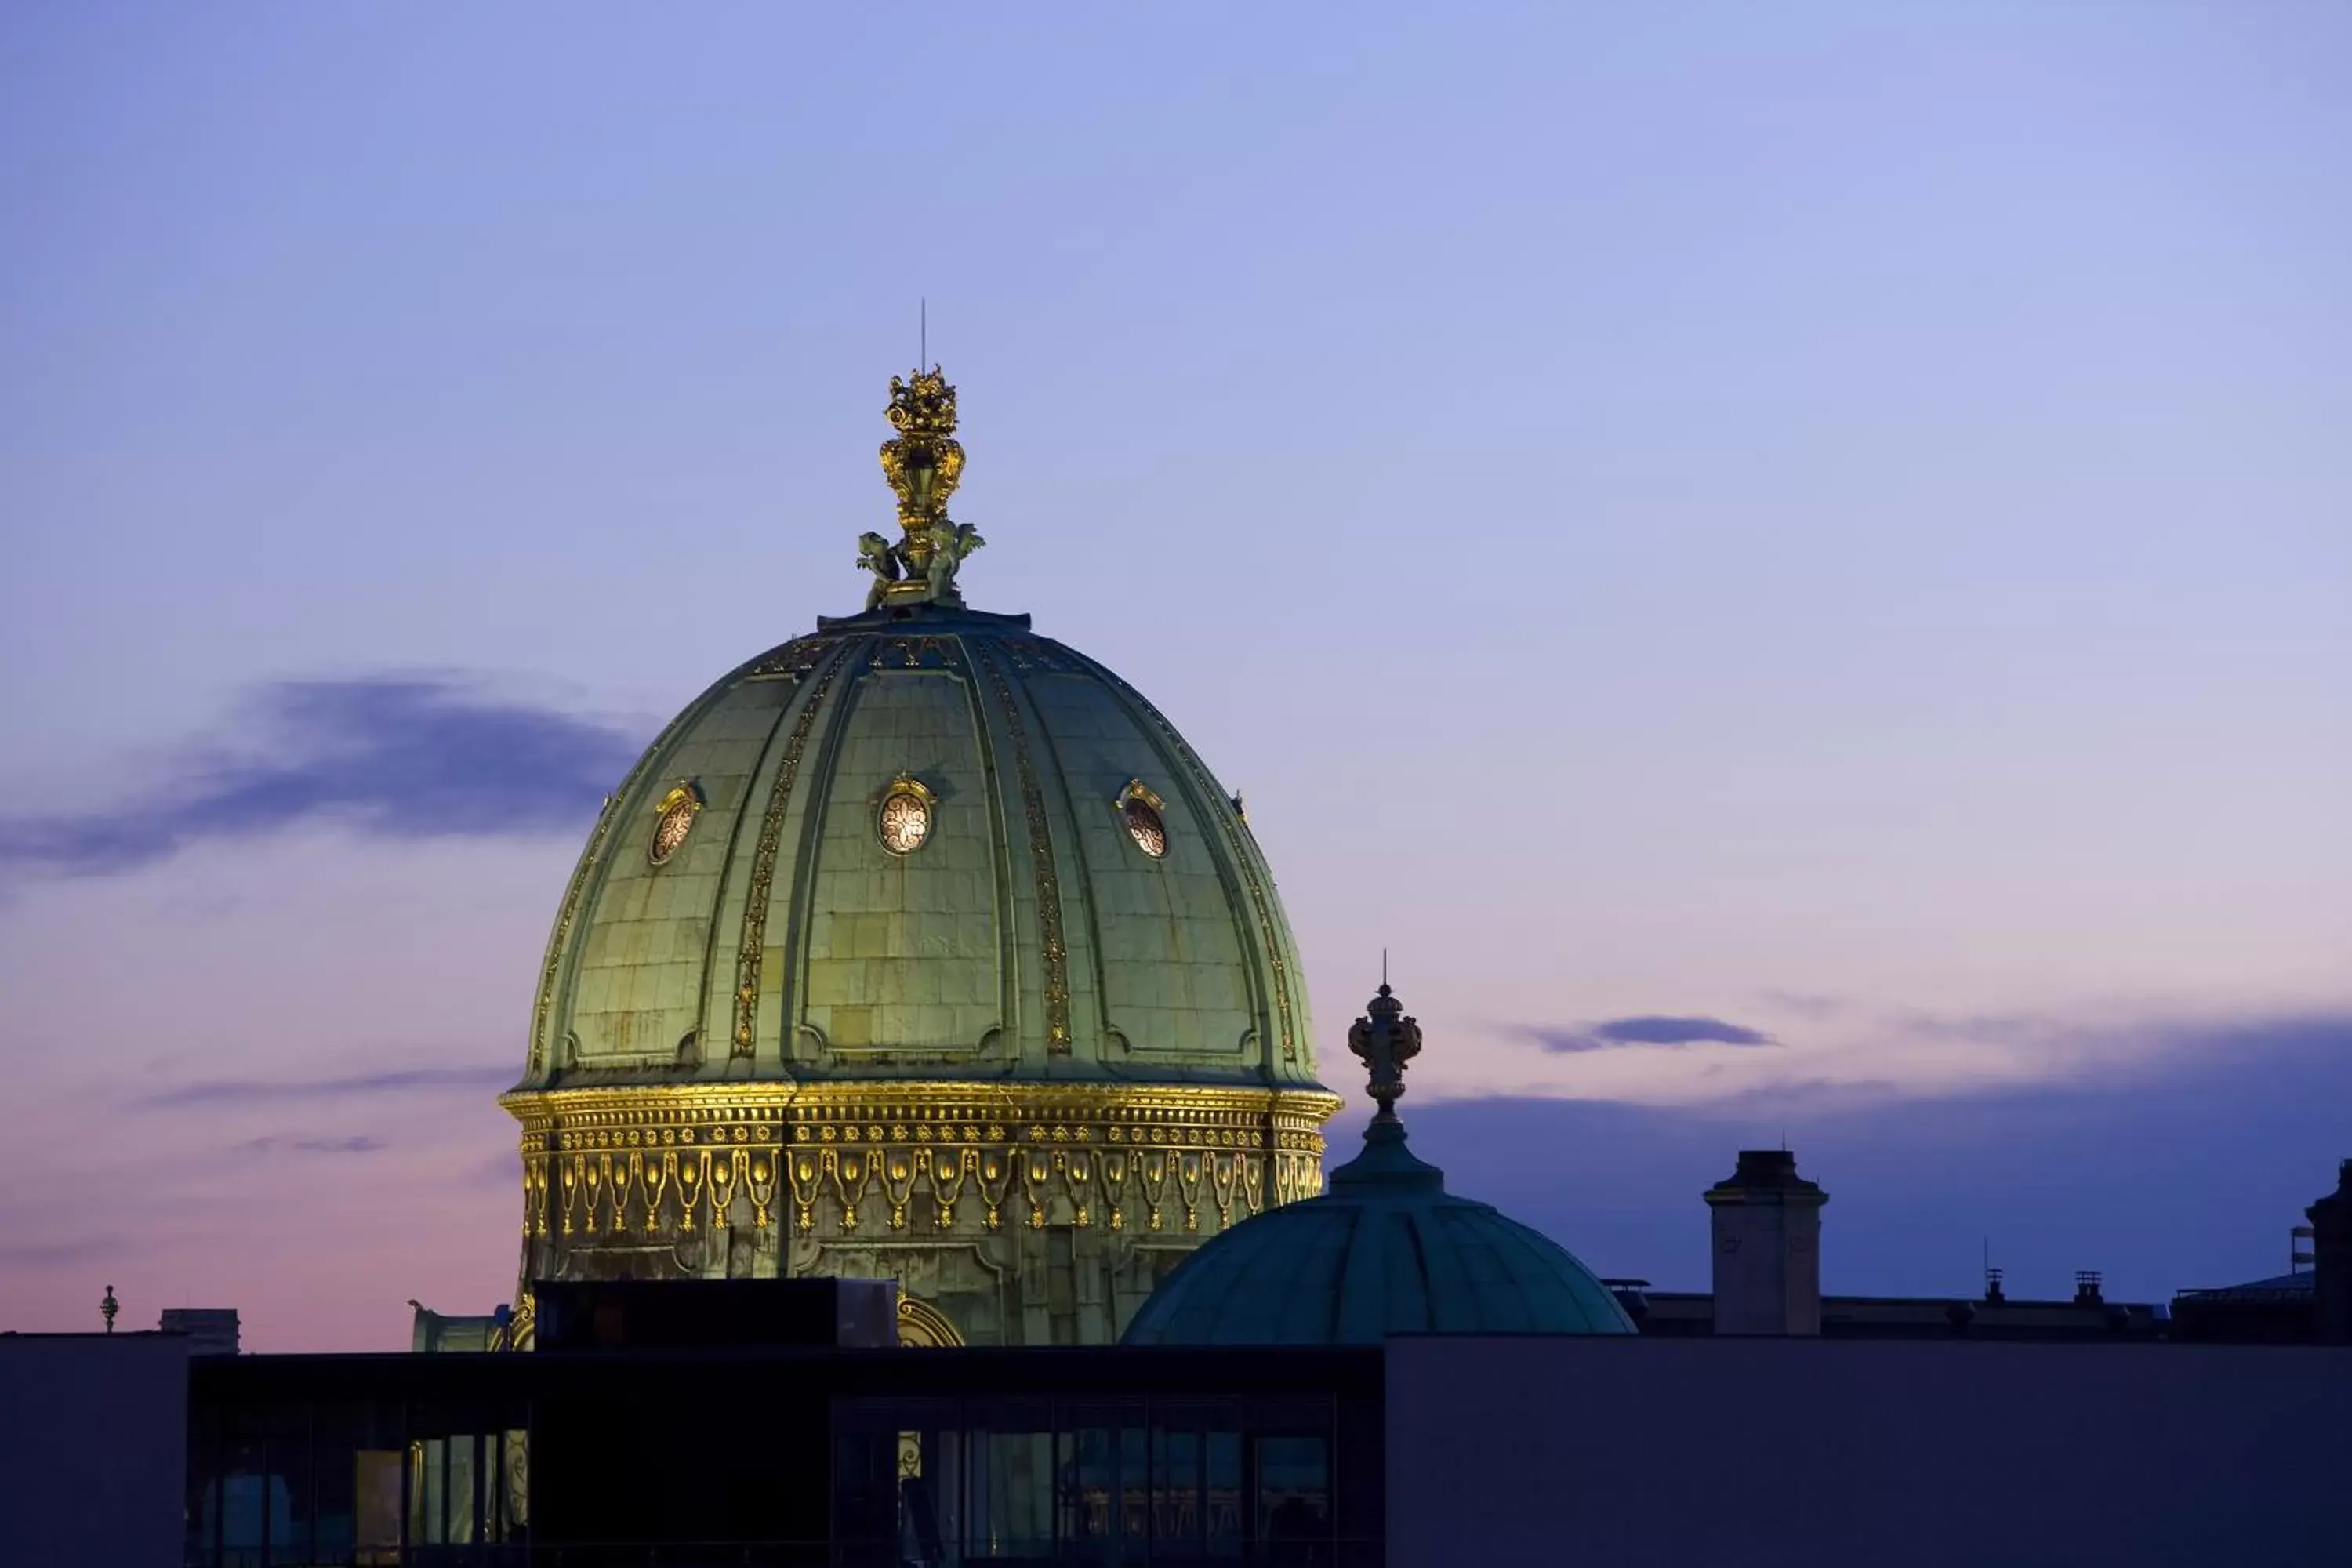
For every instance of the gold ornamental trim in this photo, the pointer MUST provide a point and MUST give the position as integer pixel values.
(1055, 950)
(929, 1111)
(674, 818)
(924, 1326)
(667, 1160)
(906, 815)
(751, 954)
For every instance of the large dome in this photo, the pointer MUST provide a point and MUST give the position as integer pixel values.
(1387, 1251)
(917, 946)
(921, 844)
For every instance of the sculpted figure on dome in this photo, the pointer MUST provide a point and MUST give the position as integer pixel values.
(876, 555)
(922, 462)
(951, 542)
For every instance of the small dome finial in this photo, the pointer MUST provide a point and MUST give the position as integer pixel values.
(923, 462)
(1385, 1040)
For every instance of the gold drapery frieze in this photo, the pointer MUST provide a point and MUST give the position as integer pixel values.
(666, 1160)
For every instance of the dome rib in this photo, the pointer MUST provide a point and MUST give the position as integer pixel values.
(718, 940)
(1284, 1024)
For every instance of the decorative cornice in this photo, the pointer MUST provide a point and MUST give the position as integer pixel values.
(926, 1110)
(663, 1161)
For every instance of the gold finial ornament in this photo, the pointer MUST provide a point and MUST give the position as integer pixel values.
(1386, 1039)
(923, 463)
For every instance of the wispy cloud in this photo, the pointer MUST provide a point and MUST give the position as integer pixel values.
(2182, 1166)
(1809, 1004)
(360, 1143)
(55, 1254)
(396, 757)
(2074, 1047)
(1651, 1030)
(259, 1091)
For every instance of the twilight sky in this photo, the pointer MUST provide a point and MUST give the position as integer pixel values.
(1793, 565)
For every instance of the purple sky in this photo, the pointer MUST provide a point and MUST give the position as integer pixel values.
(1794, 568)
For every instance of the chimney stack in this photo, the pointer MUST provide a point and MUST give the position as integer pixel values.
(2331, 1260)
(1767, 1256)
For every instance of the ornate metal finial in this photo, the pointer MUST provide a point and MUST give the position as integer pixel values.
(923, 463)
(1386, 1039)
(107, 1307)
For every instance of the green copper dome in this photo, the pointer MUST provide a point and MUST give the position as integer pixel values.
(921, 841)
(919, 946)
(1387, 1251)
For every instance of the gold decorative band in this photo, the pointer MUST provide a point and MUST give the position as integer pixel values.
(665, 1159)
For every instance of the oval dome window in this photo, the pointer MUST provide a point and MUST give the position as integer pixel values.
(905, 820)
(1144, 826)
(674, 822)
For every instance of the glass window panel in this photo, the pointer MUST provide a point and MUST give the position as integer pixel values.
(1176, 1514)
(339, 1434)
(1134, 1490)
(1294, 1488)
(1086, 1468)
(424, 1491)
(244, 1490)
(202, 1507)
(1222, 1493)
(931, 1495)
(290, 1499)
(864, 1486)
(461, 1492)
(513, 1511)
(1011, 1496)
(899, 1479)
(376, 1475)
(1103, 1476)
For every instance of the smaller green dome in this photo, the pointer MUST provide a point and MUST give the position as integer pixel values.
(1386, 1250)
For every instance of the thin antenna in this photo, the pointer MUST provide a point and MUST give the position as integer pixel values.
(924, 356)
(1384, 967)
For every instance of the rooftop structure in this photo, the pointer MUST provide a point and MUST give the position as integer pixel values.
(1387, 1251)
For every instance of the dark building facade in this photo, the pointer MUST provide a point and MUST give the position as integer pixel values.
(620, 1452)
(1430, 1449)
